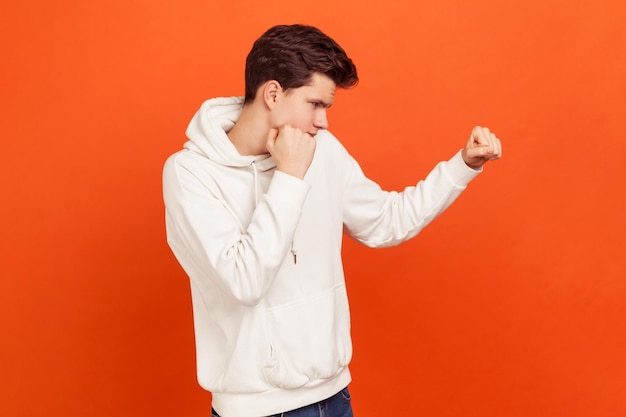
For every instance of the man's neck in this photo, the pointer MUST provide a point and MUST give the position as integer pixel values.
(249, 134)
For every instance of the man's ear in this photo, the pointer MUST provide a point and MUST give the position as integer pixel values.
(271, 93)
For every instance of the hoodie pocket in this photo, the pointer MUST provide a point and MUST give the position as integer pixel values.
(309, 340)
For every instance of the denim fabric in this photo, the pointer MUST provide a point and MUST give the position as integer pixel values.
(336, 406)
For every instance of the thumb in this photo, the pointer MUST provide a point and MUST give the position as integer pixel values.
(272, 134)
(482, 136)
(479, 138)
(478, 151)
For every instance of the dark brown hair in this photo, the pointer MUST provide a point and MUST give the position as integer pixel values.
(291, 54)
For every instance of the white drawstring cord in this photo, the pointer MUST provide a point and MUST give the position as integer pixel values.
(256, 183)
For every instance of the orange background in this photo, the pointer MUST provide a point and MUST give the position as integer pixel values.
(513, 303)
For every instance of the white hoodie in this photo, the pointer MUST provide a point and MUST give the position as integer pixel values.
(263, 253)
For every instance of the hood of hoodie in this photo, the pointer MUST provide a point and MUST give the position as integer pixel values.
(207, 134)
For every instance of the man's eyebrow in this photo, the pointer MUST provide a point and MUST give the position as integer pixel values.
(321, 102)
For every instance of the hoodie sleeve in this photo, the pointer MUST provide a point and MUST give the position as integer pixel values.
(380, 218)
(210, 243)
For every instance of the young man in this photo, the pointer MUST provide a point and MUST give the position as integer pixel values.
(256, 204)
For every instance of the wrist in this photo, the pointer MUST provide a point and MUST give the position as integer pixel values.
(473, 163)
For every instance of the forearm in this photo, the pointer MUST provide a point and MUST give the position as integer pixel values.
(379, 218)
(242, 259)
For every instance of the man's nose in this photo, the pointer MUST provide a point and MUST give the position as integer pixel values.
(321, 120)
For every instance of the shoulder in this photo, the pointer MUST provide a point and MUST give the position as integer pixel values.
(331, 154)
(184, 159)
(185, 168)
(328, 142)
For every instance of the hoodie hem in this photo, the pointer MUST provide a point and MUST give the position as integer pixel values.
(278, 400)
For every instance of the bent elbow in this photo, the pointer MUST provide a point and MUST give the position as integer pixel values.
(249, 299)
(248, 293)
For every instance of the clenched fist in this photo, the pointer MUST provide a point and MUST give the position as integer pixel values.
(481, 147)
(292, 150)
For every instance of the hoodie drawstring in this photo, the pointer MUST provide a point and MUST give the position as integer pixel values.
(256, 183)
